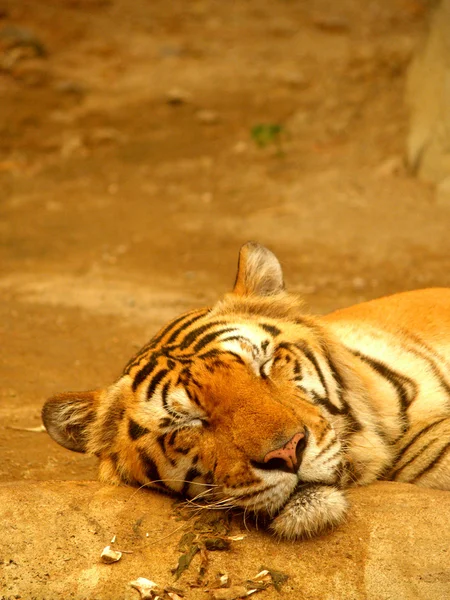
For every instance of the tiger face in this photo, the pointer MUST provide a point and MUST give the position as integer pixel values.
(244, 404)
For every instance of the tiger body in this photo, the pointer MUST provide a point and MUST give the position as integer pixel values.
(253, 403)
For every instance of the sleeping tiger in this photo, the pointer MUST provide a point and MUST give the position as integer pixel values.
(254, 404)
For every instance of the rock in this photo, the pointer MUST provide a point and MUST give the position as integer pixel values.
(331, 23)
(207, 117)
(395, 544)
(177, 96)
(390, 167)
(295, 79)
(428, 96)
(69, 87)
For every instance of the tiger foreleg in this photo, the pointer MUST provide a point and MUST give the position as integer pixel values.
(313, 509)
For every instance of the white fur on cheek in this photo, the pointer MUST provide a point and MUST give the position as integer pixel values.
(311, 511)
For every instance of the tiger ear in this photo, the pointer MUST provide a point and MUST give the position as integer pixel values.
(259, 272)
(67, 416)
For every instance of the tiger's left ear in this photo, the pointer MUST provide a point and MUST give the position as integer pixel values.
(259, 272)
(67, 416)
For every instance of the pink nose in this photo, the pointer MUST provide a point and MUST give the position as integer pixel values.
(290, 453)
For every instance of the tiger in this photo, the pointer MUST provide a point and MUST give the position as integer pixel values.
(255, 404)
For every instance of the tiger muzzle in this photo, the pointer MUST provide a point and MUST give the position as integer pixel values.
(287, 458)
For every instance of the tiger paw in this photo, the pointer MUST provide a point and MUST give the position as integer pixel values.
(312, 510)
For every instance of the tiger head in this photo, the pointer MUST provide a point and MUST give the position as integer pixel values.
(241, 403)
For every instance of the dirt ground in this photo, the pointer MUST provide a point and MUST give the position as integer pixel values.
(141, 143)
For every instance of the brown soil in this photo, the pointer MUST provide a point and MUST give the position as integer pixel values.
(129, 177)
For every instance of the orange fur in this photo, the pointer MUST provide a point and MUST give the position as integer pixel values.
(214, 403)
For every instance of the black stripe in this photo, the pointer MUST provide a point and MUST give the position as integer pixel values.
(327, 447)
(393, 475)
(432, 362)
(310, 356)
(274, 331)
(397, 380)
(190, 476)
(195, 333)
(136, 431)
(161, 439)
(253, 494)
(155, 381)
(216, 356)
(192, 396)
(418, 435)
(144, 372)
(171, 442)
(433, 463)
(173, 437)
(341, 390)
(323, 401)
(164, 394)
(150, 468)
(205, 340)
(153, 342)
(184, 325)
(111, 420)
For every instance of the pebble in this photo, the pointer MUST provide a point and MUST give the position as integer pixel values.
(207, 117)
(145, 587)
(359, 283)
(177, 96)
(66, 86)
(390, 167)
(109, 555)
(331, 23)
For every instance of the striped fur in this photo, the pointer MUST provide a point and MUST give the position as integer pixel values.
(197, 410)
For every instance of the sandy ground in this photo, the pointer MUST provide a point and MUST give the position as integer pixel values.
(132, 169)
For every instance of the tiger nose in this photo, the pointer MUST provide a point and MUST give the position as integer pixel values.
(288, 457)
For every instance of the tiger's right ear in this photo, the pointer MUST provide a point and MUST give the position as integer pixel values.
(67, 416)
(259, 272)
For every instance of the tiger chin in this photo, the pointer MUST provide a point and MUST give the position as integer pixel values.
(255, 404)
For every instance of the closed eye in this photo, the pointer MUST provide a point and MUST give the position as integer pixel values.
(184, 421)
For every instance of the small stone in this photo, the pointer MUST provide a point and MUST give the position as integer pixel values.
(110, 556)
(390, 167)
(177, 96)
(207, 117)
(295, 80)
(331, 23)
(148, 589)
(359, 283)
(240, 148)
(206, 198)
(105, 135)
(69, 87)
